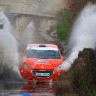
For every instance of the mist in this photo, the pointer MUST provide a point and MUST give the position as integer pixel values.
(83, 34)
(9, 55)
(28, 35)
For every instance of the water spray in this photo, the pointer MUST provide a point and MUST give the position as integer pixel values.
(83, 34)
(9, 55)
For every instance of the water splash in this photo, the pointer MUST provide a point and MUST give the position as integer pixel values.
(9, 55)
(83, 34)
(31, 35)
(28, 36)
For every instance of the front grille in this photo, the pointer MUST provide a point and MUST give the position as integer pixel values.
(42, 73)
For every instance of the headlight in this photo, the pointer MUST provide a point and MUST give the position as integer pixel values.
(25, 66)
(59, 68)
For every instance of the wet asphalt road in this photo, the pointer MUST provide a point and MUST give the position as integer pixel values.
(11, 88)
(11, 85)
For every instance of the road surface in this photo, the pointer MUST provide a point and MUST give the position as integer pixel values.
(11, 88)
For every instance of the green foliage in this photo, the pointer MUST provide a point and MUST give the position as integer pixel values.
(63, 27)
(94, 93)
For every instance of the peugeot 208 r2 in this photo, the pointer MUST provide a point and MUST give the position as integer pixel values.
(41, 63)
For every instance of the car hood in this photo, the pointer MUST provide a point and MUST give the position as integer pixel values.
(43, 64)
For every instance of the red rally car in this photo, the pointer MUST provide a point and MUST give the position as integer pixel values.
(41, 63)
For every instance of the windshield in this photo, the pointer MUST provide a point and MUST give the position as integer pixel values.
(46, 54)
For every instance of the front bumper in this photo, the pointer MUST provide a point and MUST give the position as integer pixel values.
(30, 77)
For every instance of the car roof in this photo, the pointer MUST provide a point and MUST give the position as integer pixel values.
(42, 45)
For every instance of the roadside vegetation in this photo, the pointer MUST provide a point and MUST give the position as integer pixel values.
(64, 26)
(93, 93)
(68, 17)
(81, 79)
(90, 72)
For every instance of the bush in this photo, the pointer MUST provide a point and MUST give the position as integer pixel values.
(81, 78)
(63, 28)
(94, 93)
